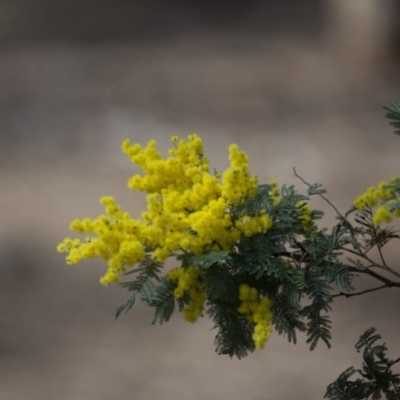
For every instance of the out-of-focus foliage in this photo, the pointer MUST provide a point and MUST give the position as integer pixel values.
(376, 381)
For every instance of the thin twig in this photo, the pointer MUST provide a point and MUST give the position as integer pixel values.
(374, 274)
(385, 267)
(363, 255)
(358, 270)
(394, 362)
(375, 231)
(388, 285)
(321, 195)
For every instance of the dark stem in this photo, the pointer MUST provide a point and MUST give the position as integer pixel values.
(388, 285)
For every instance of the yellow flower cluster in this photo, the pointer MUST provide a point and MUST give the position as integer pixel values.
(305, 214)
(187, 282)
(258, 312)
(188, 209)
(274, 192)
(372, 196)
(382, 194)
(117, 239)
(249, 226)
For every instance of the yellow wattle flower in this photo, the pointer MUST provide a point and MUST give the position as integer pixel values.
(383, 196)
(258, 312)
(182, 197)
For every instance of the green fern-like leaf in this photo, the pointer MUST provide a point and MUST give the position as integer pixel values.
(393, 115)
(216, 280)
(261, 202)
(377, 378)
(338, 273)
(316, 188)
(164, 302)
(344, 389)
(318, 290)
(253, 255)
(318, 328)
(143, 284)
(234, 332)
(286, 318)
(204, 260)
(127, 306)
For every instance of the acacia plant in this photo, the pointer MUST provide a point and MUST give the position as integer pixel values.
(249, 255)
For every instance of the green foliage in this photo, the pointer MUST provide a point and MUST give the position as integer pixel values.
(286, 316)
(216, 279)
(393, 114)
(204, 260)
(376, 376)
(316, 188)
(318, 327)
(300, 267)
(163, 301)
(295, 264)
(373, 235)
(292, 264)
(147, 272)
(234, 336)
(261, 201)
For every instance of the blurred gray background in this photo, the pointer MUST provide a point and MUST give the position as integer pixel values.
(294, 84)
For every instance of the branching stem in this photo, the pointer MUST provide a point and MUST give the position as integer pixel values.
(388, 285)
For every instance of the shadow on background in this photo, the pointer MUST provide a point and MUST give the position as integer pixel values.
(79, 77)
